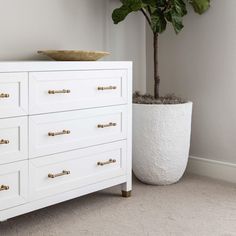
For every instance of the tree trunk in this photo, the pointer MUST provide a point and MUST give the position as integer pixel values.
(156, 68)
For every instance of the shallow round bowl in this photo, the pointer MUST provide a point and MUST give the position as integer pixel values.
(74, 55)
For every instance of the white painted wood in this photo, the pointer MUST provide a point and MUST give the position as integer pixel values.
(213, 169)
(15, 176)
(127, 186)
(61, 197)
(82, 87)
(36, 66)
(15, 85)
(82, 165)
(80, 150)
(15, 131)
(83, 127)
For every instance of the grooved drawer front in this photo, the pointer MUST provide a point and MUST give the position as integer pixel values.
(13, 139)
(63, 172)
(13, 184)
(13, 94)
(54, 133)
(70, 90)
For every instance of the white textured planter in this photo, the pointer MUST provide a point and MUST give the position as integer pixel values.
(161, 141)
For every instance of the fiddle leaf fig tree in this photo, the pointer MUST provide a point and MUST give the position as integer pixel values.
(158, 13)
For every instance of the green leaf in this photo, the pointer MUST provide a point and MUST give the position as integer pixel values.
(177, 21)
(158, 22)
(200, 6)
(161, 3)
(151, 3)
(175, 14)
(120, 14)
(160, 11)
(168, 16)
(128, 6)
(179, 7)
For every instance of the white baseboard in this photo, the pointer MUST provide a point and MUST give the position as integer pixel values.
(211, 168)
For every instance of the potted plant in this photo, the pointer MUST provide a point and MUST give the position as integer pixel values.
(161, 124)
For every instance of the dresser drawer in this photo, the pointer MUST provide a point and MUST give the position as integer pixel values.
(13, 139)
(63, 172)
(54, 133)
(70, 90)
(13, 184)
(13, 94)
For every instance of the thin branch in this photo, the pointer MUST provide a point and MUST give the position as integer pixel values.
(168, 5)
(146, 16)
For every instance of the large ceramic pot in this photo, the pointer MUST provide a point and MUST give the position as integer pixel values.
(161, 141)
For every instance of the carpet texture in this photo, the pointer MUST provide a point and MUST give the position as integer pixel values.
(195, 206)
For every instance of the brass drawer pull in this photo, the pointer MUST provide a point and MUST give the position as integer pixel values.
(58, 91)
(4, 187)
(107, 88)
(106, 125)
(52, 134)
(110, 161)
(4, 95)
(2, 141)
(64, 172)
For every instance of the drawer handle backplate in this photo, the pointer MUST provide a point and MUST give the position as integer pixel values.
(2, 141)
(110, 161)
(107, 88)
(58, 91)
(111, 124)
(4, 95)
(64, 172)
(4, 187)
(63, 132)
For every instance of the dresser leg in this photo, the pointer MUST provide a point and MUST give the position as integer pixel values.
(126, 193)
(126, 188)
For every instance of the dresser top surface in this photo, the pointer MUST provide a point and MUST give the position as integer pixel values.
(28, 66)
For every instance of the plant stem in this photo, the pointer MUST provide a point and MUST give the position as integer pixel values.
(146, 16)
(156, 67)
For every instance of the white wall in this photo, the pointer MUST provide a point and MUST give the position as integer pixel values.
(30, 25)
(200, 64)
(126, 41)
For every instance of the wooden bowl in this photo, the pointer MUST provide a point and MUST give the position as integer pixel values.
(74, 55)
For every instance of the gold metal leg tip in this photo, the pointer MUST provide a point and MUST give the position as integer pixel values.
(126, 193)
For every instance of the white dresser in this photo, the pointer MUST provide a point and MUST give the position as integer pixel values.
(65, 131)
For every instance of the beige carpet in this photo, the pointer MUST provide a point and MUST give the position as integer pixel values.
(194, 206)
